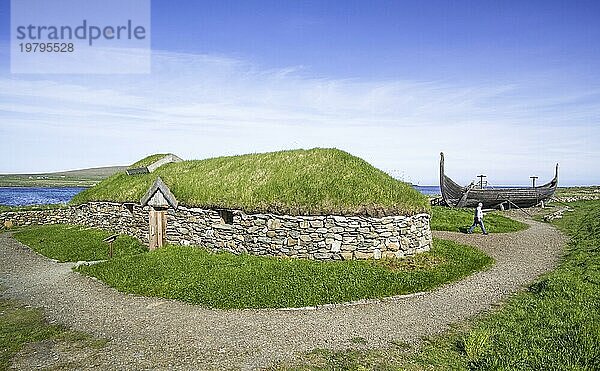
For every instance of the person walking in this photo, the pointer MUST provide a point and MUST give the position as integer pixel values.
(478, 219)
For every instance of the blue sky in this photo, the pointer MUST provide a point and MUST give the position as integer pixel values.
(504, 88)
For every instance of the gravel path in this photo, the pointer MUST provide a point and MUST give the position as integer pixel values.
(150, 333)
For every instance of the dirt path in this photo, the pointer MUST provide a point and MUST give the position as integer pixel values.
(151, 333)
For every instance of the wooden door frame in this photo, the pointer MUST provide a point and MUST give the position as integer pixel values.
(157, 221)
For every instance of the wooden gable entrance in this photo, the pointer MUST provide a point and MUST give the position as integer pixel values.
(160, 199)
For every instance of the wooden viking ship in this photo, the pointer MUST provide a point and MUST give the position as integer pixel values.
(455, 195)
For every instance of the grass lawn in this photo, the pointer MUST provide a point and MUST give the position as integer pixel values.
(21, 325)
(67, 243)
(229, 281)
(459, 220)
(311, 182)
(554, 325)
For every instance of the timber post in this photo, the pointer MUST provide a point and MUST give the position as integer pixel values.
(533, 179)
(481, 180)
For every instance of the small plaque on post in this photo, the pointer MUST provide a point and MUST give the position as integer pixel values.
(109, 240)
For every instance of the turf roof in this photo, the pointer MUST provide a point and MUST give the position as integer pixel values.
(296, 182)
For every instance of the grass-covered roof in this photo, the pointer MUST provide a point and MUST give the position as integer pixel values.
(147, 161)
(297, 182)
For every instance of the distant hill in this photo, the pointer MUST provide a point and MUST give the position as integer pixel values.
(94, 172)
(298, 182)
(72, 178)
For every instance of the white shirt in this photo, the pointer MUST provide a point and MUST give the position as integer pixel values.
(479, 213)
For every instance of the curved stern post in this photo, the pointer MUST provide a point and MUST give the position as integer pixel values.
(442, 180)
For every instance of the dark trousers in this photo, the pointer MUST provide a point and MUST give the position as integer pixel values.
(478, 222)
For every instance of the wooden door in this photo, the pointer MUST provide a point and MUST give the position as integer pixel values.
(158, 228)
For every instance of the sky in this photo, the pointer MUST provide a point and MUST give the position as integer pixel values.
(507, 89)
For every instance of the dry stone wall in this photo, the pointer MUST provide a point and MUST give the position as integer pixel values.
(310, 237)
(120, 218)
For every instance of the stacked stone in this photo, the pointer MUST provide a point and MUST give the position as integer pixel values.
(119, 218)
(129, 219)
(310, 237)
(10, 219)
(557, 214)
(583, 197)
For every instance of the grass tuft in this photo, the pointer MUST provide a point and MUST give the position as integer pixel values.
(477, 343)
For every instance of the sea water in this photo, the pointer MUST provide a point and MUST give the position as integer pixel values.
(23, 196)
(428, 190)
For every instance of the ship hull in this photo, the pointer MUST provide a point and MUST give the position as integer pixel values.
(455, 195)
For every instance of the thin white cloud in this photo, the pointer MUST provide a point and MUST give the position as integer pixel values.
(204, 105)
